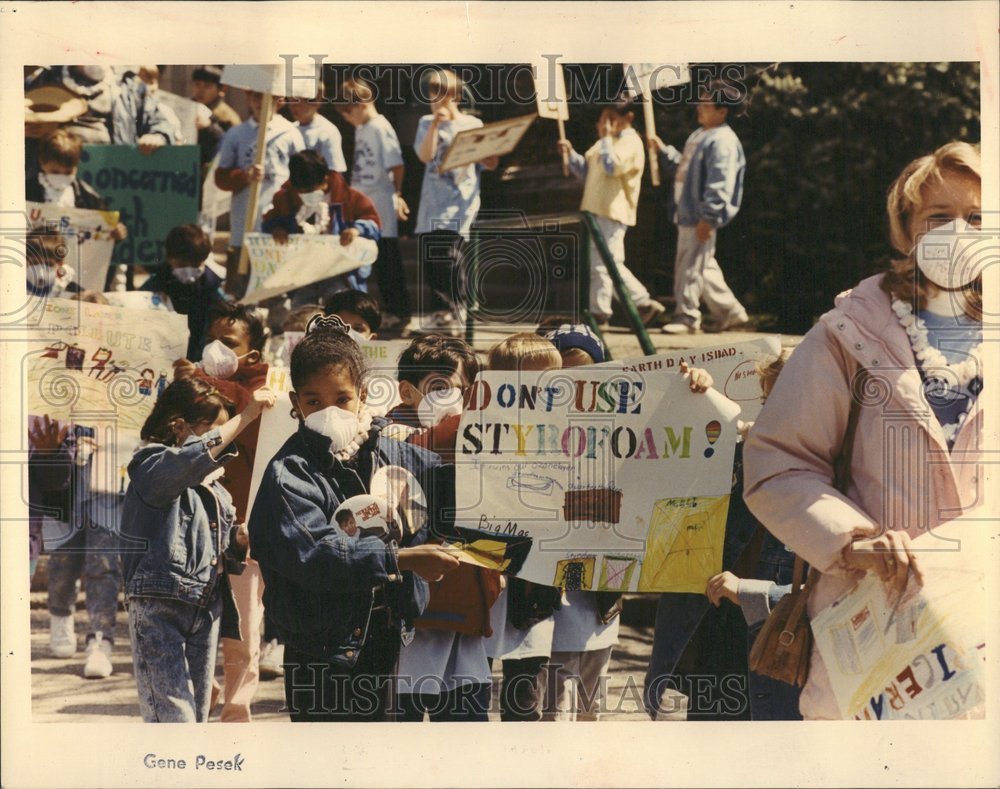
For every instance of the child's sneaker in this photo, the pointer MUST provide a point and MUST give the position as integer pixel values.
(271, 659)
(98, 665)
(62, 639)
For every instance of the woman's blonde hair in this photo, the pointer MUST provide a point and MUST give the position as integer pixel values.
(904, 200)
(524, 351)
(444, 83)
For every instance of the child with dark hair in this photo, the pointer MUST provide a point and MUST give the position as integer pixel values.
(339, 603)
(378, 172)
(357, 309)
(189, 281)
(611, 171)
(317, 200)
(432, 363)
(232, 363)
(177, 589)
(207, 89)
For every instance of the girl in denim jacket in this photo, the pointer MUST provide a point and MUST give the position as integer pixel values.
(178, 545)
(341, 599)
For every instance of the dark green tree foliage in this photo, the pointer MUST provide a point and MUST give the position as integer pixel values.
(823, 142)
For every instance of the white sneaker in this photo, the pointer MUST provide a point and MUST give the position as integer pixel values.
(271, 658)
(98, 665)
(679, 328)
(62, 639)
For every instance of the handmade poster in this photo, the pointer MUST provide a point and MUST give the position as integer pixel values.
(493, 139)
(920, 655)
(276, 268)
(102, 367)
(550, 87)
(152, 193)
(643, 78)
(186, 111)
(139, 300)
(302, 80)
(277, 423)
(732, 366)
(595, 479)
(92, 230)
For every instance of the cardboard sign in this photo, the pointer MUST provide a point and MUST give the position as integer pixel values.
(92, 230)
(493, 139)
(550, 86)
(279, 268)
(641, 79)
(733, 368)
(302, 80)
(139, 300)
(102, 367)
(595, 479)
(919, 655)
(152, 193)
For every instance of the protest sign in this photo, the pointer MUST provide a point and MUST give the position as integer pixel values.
(92, 230)
(550, 88)
(595, 479)
(493, 139)
(732, 366)
(643, 78)
(916, 656)
(302, 79)
(102, 367)
(304, 259)
(277, 423)
(152, 193)
(139, 300)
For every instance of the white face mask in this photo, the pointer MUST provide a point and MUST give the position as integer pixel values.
(187, 275)
(946, 256)
(55, 182)
(438, 404)
(218, 360)
(335, 423)
(313, 199)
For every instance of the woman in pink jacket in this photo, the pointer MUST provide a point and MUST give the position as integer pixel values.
(916, 462)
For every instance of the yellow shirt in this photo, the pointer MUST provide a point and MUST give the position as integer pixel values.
(614, 173)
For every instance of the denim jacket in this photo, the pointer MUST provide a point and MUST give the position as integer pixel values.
(177, 538)
(319, 583)
(713, 185)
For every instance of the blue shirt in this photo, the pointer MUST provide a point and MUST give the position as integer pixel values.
(954, 337)
(448, 200)
(239, 149)
(322, 136)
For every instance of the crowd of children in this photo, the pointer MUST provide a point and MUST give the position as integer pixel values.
(376, 622)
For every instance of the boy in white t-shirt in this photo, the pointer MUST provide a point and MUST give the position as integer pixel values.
(319, 133)
(378, 173)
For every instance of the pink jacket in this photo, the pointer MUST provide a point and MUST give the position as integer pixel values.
(902, 475)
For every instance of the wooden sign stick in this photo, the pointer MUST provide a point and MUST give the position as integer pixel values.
(565, 153)
(266, 104)
(650, 118)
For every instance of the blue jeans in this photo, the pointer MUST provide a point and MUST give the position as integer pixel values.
(93, 553)
(465, 704)
(174, 646)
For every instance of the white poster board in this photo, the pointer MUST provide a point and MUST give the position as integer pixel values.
(550, 88)
(595, 479)
(733, 368)
(493, 139)
(302, 81)
(304, 259)
(643, 78)
(102, 367)
(92, 230)
(919, 656)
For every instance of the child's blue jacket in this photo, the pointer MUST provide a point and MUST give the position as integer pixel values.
(176, 531)
(319, 583)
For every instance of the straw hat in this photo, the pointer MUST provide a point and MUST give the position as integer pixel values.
(52, 104)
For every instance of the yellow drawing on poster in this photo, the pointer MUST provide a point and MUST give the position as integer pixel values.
(616, 573)
(684, 544)
(575, 574)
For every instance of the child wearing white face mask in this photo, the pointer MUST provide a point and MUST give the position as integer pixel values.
(189, 281)
(341, 603)
(231, 362)
(316, 200)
